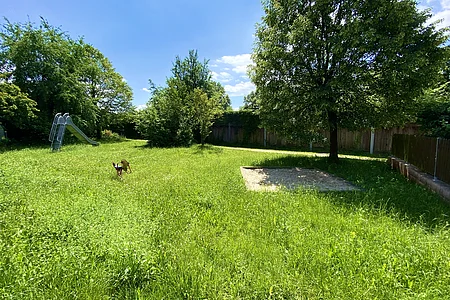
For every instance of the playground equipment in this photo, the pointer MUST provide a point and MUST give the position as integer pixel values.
(60, 123)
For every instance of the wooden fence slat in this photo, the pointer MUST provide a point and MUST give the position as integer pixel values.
(421, 152)
(347, 140)
(443, 161)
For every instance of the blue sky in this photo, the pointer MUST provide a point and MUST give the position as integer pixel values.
(142, 38)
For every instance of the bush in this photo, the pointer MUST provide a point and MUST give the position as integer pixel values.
(435, 118)
(110, 136)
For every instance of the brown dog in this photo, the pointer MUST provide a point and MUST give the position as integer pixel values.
(123, 166)
(118, 169)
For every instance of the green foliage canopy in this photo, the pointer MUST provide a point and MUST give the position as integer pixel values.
(251, 102)
(61, 75)
(434, 113)
(188, 104)
(329, 63)
(15, 107)
(205, 109)
(105, 88)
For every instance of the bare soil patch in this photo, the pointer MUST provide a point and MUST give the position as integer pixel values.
(273, 179)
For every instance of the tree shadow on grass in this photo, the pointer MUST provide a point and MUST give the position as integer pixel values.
(384, 190)
(196, 148)
(6, 147)
(206, 149)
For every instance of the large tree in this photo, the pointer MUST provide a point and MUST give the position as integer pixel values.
(41, 62)
(205, 110)
(106, 89)
(16, 109)
(188, 104)
(326, 64)
(61, 75)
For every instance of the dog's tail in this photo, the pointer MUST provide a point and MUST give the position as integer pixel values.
(114, 165)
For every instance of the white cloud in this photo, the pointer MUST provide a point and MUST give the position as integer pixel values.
(231, 71)
(241, 69)
(445, 4)
(222, 77)
(141, 106)
(240, 89)
(443, 15)
(225, 76)
(440, 9)
(236, 60)
(146, 90)
(239, 62)
(422, 7)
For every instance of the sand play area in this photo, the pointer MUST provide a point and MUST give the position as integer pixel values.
(274, 179)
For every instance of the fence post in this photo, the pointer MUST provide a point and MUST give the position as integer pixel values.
(372, 139)
(265, 137)
(436, 158)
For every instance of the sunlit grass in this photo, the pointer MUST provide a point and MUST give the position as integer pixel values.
(182, 225)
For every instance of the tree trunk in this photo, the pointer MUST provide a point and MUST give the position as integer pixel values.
(333, 120)
(202, 140)
(98, 130)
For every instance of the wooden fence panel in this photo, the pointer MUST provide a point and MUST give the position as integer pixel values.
(421, 152)
(399, 145)
(347, 140)
(443, 161)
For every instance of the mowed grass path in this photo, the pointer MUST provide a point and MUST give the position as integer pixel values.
(183, 226)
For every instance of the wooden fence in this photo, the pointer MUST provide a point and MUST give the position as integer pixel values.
(348, 140)
(431, 155)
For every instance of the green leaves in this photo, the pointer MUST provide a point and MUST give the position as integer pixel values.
(61, 75)
(205, 111)
(434, 107)
(189, 103)
(365, 61)
(15, 107)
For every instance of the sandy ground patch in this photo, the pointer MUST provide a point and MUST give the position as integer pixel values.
(272, 179)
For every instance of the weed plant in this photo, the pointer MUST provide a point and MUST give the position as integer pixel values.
(183, 226)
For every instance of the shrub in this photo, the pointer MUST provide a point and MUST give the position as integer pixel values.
(110, 136)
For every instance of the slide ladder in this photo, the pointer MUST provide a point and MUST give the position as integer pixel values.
(59, 126)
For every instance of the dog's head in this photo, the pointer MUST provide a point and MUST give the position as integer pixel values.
(118, 169)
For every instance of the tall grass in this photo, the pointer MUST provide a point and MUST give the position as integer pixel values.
(183, 226)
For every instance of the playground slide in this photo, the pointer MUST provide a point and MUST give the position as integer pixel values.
(54, 128)
(60, 123)
(78, 133)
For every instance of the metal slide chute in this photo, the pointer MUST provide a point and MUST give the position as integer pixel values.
(60, 123)
(78, 133)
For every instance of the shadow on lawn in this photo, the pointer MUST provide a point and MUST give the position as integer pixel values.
(206, 149)
(6, 147)
(196, 148)
(385, 190)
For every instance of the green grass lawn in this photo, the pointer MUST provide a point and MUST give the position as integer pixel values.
(183, 226)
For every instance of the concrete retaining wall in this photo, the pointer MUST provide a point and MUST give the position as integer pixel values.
(424, 179)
